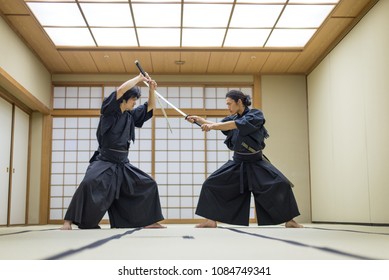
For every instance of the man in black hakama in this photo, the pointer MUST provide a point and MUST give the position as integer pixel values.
(225, 195)
(111, 182)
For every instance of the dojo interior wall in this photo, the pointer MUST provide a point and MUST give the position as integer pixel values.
(281, 96)
(17, 61)
(284, 103)
(25, 82)
(345, 108)
(348, 98)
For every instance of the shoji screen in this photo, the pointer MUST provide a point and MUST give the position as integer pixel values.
(73, 143)
(179, 160)
(179, 166)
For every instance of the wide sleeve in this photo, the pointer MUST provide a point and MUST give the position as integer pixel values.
(250, 122)
(226, 119)
(109, 110)
(110, 105)
(140, 114)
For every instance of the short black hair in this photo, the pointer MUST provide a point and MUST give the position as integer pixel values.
(132, 92)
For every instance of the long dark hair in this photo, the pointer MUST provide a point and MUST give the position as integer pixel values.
(132, 92)
(237, 94)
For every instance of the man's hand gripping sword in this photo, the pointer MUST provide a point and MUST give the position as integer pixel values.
(163, 98)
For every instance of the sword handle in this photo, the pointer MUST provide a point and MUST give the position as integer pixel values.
(140, 68)
(144, 74)
(193, 122)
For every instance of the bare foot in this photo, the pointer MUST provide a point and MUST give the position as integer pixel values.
(293, 224)
(155, 225)
(67, 225)
(207, 224)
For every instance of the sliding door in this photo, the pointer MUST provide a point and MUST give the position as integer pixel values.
(18, 188)
(5, 153)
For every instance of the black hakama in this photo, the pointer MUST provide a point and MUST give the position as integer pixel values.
(225, 195)
(111, 182)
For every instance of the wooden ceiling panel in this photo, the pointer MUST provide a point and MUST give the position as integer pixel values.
(164, 62)
(195, 62)
(144, 59)
(108, 61)
(351, 8)
(79, 61)
(251, 62)
(222, 62)
(32, 33)
(14, 7)
(279, 62)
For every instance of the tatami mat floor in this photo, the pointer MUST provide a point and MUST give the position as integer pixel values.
(185, 242)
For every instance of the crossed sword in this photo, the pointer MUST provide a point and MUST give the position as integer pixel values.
(163, 98)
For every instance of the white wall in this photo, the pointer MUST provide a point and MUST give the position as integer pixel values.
(348, 99)
(23, 66)
(284, 104)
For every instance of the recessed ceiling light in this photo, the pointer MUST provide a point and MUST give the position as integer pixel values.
(177, 23)
(179, 62)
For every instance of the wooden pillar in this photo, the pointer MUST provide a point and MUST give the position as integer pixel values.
(257, 94)
(45, 171)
